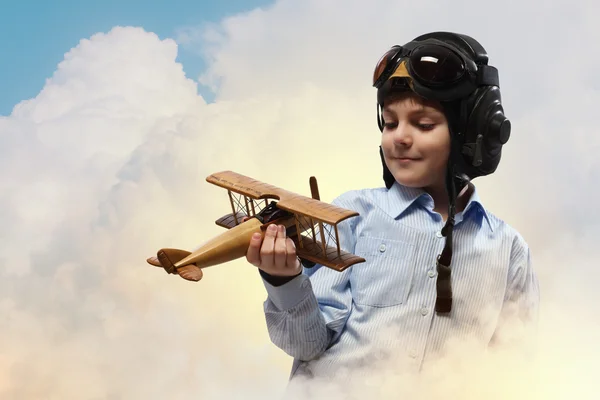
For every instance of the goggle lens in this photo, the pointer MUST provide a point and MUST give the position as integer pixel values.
(436, 65)
(383, 64)
(430, 64)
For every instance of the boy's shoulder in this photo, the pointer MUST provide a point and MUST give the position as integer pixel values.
(506, 230)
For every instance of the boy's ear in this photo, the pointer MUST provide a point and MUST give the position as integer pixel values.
(380, 121)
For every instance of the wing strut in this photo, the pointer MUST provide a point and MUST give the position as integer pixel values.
(323, 242)
(314, 191)
(232, 207)
(298, 231)
(337, 241)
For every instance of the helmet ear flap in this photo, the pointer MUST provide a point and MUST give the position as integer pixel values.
(388, 178)
(486, 130)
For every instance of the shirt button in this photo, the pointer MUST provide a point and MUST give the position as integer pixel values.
(424, 311)
(438, 234)
(382, 248)
(413, 354)
(430, 273)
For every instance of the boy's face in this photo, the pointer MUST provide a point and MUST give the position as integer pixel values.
(415, 141)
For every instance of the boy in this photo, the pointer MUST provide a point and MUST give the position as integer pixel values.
(442, 125)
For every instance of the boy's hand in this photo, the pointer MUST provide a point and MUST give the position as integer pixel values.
(275, 254)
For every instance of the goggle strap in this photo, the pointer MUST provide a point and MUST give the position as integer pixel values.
(487, 76)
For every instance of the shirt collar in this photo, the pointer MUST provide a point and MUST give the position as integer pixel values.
(400, 198)
(474, 205)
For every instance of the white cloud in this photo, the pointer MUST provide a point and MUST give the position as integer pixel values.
(108, 163)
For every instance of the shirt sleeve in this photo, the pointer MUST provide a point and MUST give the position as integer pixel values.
(517, 324)
(306, 315)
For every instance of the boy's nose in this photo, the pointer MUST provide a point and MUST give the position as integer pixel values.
(403, 135)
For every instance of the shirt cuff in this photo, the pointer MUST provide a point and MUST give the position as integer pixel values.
(276, 280)
(290, 294)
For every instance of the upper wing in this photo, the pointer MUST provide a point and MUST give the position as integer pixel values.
(289, 201)
(243, 185)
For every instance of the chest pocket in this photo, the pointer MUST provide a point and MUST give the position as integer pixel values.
(385, 277)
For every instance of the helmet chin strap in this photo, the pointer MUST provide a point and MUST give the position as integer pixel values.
(443, 302)
(388, 178)
(455, 183)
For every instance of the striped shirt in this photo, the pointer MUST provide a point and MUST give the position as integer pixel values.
(327, 320)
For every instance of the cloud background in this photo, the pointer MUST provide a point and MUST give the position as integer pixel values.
(107, 164)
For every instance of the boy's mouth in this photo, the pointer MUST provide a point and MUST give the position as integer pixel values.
(406, 159)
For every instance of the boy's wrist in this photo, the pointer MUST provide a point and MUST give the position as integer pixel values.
(276, 280)
(279, 280)
(289, 294)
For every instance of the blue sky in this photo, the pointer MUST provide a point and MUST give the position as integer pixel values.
(35, 35)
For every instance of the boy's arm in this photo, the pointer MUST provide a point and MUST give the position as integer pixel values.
(306, 314)
(517, 324)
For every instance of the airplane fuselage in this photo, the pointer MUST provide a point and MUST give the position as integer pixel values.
(231, 244)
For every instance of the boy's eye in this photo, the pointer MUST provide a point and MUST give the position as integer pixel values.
(421, 126)
(426, 127)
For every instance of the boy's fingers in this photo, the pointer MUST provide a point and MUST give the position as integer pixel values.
(253, 253)
(280, 249)
(268, 245)
(291, 258)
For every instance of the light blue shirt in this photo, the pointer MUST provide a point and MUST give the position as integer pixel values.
(384, 307)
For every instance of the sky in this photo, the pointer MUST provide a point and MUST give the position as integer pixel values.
(106, 141)
(35, 35)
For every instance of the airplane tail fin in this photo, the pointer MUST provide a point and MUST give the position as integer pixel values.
(166, 258)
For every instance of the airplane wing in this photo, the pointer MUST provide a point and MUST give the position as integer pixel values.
(312, 250)
(289, 201)
(314, 241)
(230, 220)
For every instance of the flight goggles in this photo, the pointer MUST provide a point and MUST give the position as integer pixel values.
(435, 70)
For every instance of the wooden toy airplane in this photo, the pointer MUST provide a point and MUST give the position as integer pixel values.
(305, 220)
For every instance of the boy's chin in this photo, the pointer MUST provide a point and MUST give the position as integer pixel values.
(416, 182)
